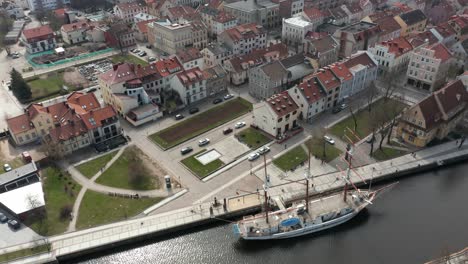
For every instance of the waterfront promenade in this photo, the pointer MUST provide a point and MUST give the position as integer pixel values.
(75, 243)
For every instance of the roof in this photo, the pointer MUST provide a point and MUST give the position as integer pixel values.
(313, 13)
(327, 79)
(218, 48)
(311, 90)
(245, 31)
(188, 77)
(214, 72)
(224, 17)
(282, 104)
(190, 54)
(338, 12)
(142, 26)
(19, 172)
(18, 200)
(19, 124)
(119, 73)
(298, 21)
(257, 57)
(180, 11)
(397, 46)
(82, 102)
(60, 12)
(96, 118)
(166, 67)
(441, 52)
(275, 70)
(359, 27)
(323, 44)
(412, 17)
(388, 25)
(38, 32)
(129, 6)
(445, 30)
(250, 5)
(71, 128)
(341, 71)
(361, 58)
(421, 38)
(80, 25)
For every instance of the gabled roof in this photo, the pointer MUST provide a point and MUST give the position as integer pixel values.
(441, 52)
(360, 58)
(38, 32)
(388, 25)
(142, 26)
(19, 124)
(245, 31)
(83, 102)
(275, 71)
(341, 71)
(129, 6)
(310, 89)
(224, 17)
(259, 56)
(413, 17)
(190, 54)
(95, 118)
(119, 73)
(189, 77)
(419, 39)
(166, 67)
(397, 46)
(313, 13)
(80, 25)
(180, 11)
(327, 79)
(282, 104)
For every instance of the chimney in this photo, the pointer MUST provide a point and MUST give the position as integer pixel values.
(115, 66)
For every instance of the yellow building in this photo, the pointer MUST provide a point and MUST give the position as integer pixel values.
(412, 21)
(435, 116)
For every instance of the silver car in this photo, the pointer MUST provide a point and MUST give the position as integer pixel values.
(203, 142)
(253, 156)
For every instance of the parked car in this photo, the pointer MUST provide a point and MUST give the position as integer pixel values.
(329, 140)
(203, 142)
(263, 150)
(228, 96)
(193, 110)
(217, 101)
(336, 110)
(3, 218)
(15, 56)
(142, 54)
(240, 124)
(136, 50)
(7, 167)
(186, 150)
(179, 116)
(13, 224)
(26, 156)
(227, 130)
(150, 59)
(343, 106)
(149, 46)
(253, 156)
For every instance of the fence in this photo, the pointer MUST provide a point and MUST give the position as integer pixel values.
(68, 60)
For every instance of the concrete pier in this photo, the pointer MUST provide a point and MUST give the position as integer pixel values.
(78, 243)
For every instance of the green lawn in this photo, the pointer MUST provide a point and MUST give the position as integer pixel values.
(90, 168)
(387, 153)
(253, 138)
(205, 121)
(48, 86)
(99, 209)
(14, 163)
(121, 173)
(316, 148)
(128, 58)
(24, 253)
(291, 159)
(199, 169)
(380, 110)
(60, 190)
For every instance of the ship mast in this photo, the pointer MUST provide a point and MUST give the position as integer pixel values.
(307, 182)
(349, 156)
(265, 187)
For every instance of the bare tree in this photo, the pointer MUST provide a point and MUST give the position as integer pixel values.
(371, 93)
(52, 149)
(389, 82)
(65, 212)
(354, 117)
(136, 173)
(318, 140)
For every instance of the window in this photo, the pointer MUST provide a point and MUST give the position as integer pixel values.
(20, 139)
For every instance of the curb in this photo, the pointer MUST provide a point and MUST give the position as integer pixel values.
(164, 201)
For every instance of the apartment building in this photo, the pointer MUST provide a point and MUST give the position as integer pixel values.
(393, 55)
(35, 5)
(216, 54)
(191, 85)
(128, 11)
(261, 12)
(412, 21)
(38, 39)
(242, 39)
(355, 37)
(76, 32)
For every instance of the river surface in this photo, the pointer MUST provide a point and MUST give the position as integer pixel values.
(423, 217)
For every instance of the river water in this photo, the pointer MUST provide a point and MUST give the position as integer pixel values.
(423, 217)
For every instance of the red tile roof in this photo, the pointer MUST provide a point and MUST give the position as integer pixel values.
(142, 26)
(82, 102)
(119, 73)
(181, 11)
(98, 115)
(341, 71)
(282, 104)
(67, 131)
(128, 6)
(189, 54)
(224, 17)
(398, 46)
(388, 25)
(188, 77)
(419, 39)
(259, 56)
(441, 52)
(60, 12)
(19, 124)
(78, 26)
(327, 79)
(166, 67)
(313, 13)
(361, 58)
(245, 31)
(311, 90)
(38, 33)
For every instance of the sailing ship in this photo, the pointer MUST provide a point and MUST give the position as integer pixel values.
(306, 217)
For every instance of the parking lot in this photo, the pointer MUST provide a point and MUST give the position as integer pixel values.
(10, 237)
(91, 71)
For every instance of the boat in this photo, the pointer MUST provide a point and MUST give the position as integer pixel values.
(306, 217)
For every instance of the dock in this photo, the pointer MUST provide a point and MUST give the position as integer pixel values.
(74, 244)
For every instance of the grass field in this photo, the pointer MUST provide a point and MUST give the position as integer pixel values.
(60, 190)
(90, 168)
(291, 159)
(24, 253)
(200, 170)
(128, 58)
(316, 148)
(364, 119)
(253, 138)
(387, 153)
(119, 174)
(48, 86)
(200, 123)
(98, 209)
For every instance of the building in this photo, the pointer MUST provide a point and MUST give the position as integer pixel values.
(13, 10)
(191, 85)
(364, 69)
(393, 55)
(76, 32)
(216, 54)
(277, 115)
(217, 21)
(339, 15)
(199, 34)
(294, 31)
(141, 30)
(428, 67)
(21, 193)
(325, 4)
(190, 58)
(261, 12)
(140, 17)
(389, 28)
(268, 79)
(310, 97)
(435, 116)
(412, 21)
(439, 12)
(331, 85)
(128, 11)
(238, 67)
(169, 37)
(242, 39)
(355, 37)
(78, 122)
(38, 39)
(216, 80)
(322, 49)
(35, 5)
(119, 35)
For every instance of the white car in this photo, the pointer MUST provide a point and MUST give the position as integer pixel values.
(329, 140)
(263, 150)
(253, 156)
(203, 142)
(7, 167)
(228, 96)
(240, 124)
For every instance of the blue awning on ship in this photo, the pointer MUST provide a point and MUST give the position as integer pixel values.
(290, 222)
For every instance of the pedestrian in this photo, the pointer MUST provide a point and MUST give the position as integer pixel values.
(461, 142)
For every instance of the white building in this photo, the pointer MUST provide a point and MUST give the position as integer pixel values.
(190, 58)
(216, 54)
(393, 55)
(34, 5)
(294, 31)
(310, 97)
(38, 39)
(170, 37)
(76, 32)
(277, 115)
(243, 39)
(128, 11)
(13, 10)
(191, 85)
(143, 17)
(428, 67)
